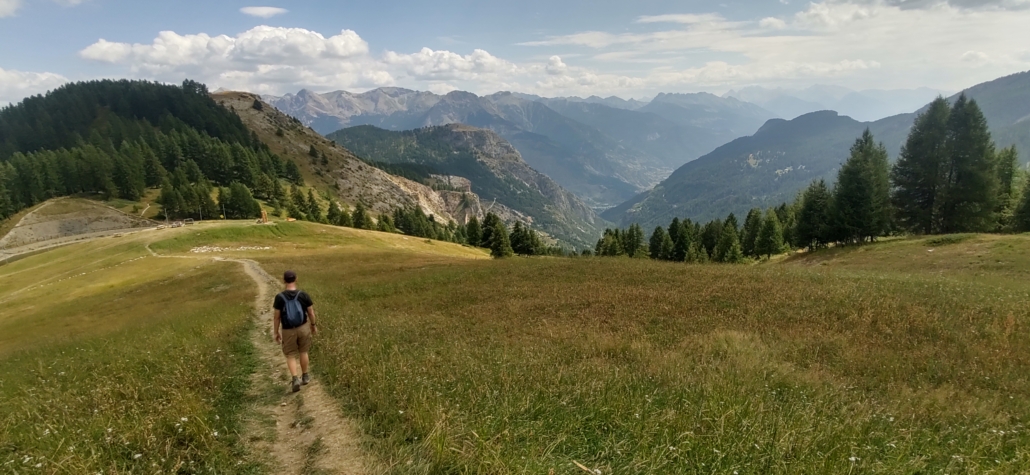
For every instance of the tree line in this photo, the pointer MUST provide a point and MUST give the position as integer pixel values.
(118, 138)
(949, 178)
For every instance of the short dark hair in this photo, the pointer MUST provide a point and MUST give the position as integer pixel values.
(289, 277)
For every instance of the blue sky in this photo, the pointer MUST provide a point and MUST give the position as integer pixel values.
(628, 48)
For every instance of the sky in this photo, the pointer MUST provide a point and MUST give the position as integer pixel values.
(631, 48)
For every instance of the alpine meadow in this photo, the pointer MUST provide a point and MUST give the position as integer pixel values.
(320, 238)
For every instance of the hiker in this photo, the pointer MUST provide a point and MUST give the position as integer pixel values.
(295, 312)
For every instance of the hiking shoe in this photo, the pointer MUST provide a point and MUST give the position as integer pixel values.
(305, 379)
(296, 384)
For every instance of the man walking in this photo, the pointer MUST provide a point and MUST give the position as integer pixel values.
(295, 313)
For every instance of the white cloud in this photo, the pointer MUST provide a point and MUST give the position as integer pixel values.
(445, 65)
(556, 66)
(772, 23)
(9, 7)
(263, 12)
(17, 85)
(858, 43)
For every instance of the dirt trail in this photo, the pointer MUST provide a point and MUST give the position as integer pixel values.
(310, 434)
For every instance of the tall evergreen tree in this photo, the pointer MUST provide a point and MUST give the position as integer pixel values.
(473, 233)
(728, 249)
(749, 235)
(860, 206)
(486, 236)
(1021, 217)
(710, 236)
(360, 217)
(313, 210)
(333, 214)
(500, 245)
(770, 237)
(633, 241)
(813, 221)
(1008, 187)
(971, 193)
(660, 244)
(918, 177)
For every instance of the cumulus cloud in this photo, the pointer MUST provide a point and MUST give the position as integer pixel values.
(772, 23)
(17, 85)
(263, 12)
(445, 65)
(9, 7)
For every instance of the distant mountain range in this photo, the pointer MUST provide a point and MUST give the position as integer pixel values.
(488, 165)
(605, 150)
(772, 165)
(867, 105)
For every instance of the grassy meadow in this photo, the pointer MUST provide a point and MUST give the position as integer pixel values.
(113, 361)
(850, 361)
(906, 356)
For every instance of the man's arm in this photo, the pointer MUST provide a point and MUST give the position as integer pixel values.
(275, 326)
(311, 318)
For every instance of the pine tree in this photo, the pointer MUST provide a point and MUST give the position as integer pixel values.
(499, 246)
(860, 205)
(298, 202)
(313, 152)
(1021, 217)
(728, 248)
(473, 233)
(633, 241)
(486, 237)
(770, 237)
(384, 224)
(813, 219)
(1008, 187)
(238, 202)
(360, 217)
(345, 219)
(918, 176)
(710, 236)
(660, 244)
(314, 211)
(749, 235)
(333, 215)
(971, 192)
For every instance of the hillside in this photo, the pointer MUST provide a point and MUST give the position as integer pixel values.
(726, 115)
(602, 150)
(772, 165)
(495, 170)
(66, 219)
(349, 178)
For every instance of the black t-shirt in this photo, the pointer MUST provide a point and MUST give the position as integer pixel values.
(302, 296)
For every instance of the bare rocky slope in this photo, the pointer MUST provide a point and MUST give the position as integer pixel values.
(345, 175)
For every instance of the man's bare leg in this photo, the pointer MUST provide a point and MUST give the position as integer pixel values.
(303, 363)
(291, 362)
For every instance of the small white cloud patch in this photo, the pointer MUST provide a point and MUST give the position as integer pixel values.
(9, 7)
(263, 12)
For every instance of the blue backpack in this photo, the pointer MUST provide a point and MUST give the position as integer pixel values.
(292, 315)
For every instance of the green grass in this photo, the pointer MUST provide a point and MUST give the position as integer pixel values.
(112, 361)
(528, 365)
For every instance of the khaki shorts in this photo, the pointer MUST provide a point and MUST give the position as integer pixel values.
(297, 340)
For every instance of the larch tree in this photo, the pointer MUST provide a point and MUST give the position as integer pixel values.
(770, 237)
(971, 194)
(918, 177)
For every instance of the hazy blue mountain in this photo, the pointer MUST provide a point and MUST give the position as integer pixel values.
(724, 115)
(783, 157)
(601, 149)
(866, 105)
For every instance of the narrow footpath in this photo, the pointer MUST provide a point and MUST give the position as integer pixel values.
(294, 433)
